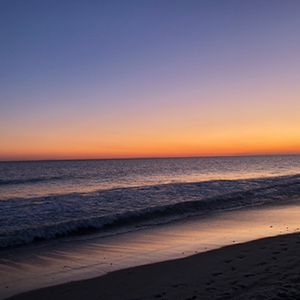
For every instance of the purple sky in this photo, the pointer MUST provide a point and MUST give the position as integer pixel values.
(138, 78)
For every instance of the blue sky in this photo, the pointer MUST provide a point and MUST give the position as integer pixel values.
(177, 73)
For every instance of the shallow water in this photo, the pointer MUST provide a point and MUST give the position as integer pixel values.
(33, 266)
(50, 199)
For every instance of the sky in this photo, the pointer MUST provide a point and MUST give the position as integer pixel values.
(148, 78)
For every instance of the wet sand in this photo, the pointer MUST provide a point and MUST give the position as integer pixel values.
(267, 268)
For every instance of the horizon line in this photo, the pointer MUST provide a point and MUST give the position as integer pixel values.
(149, 157)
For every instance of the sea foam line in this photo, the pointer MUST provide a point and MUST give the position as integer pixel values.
(260, 192)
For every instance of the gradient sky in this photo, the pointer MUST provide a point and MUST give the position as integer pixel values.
(104, 79)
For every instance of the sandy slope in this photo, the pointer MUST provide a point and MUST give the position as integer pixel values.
(268, 268)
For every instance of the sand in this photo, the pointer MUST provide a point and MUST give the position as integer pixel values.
(230, 265)
(267, 268)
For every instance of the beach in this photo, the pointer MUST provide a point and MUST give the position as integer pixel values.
(149, 150)
(263, 269)
(229, 267)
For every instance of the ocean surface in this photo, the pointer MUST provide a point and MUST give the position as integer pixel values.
(50, 200)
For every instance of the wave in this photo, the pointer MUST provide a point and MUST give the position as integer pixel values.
(29, 180)
(228, 194)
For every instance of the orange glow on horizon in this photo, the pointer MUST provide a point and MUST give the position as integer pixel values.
(100, 85)
(172, 149)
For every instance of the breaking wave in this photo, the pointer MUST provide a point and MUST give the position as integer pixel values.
(125, 209)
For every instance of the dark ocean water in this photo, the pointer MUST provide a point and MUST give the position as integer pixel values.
(49, 199)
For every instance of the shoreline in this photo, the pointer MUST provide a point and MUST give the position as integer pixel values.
(262, 269)
(44, 266)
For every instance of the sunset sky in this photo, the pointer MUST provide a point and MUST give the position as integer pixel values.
(143, 78)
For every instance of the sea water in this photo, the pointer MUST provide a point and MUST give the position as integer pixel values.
(48, 200)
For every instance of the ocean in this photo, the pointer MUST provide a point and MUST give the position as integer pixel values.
(74, 199)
